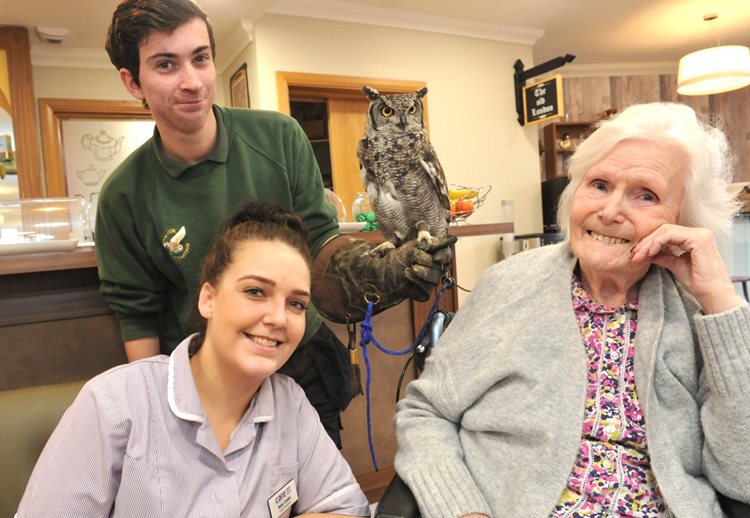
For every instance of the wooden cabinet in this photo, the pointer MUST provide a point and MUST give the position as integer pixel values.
(560, 141)
(54, 325)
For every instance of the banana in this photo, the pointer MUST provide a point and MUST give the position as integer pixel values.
(465, 193)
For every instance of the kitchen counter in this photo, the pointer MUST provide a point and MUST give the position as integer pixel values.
(84, 257)
(81, 257)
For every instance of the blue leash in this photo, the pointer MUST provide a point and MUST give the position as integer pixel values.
(368, 337)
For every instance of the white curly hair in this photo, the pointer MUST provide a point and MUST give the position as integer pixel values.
(707, 202)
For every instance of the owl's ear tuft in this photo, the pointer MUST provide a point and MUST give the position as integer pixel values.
(371, 92)
(422, 91)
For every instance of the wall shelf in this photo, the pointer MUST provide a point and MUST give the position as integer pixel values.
(556, 156)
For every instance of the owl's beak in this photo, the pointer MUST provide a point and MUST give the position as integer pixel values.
(401, 122)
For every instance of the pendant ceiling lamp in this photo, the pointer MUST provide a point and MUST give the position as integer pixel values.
(714, 70)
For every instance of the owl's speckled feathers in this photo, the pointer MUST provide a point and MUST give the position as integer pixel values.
(401, 172)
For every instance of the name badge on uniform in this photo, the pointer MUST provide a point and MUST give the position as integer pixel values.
(283, 499)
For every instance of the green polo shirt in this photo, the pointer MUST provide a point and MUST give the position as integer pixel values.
(147, 200)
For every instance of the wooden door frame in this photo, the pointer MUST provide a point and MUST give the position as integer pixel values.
(326, 85)
(15, 42)
(52, 113)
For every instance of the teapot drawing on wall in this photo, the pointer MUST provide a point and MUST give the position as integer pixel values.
(103, 146)
(91, 176)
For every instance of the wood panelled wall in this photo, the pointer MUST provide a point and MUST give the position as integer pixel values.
(587, 97)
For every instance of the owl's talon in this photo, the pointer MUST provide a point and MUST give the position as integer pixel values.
(424, 239)
(382, 248)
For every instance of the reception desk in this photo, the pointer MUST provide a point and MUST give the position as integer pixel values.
(55, 328)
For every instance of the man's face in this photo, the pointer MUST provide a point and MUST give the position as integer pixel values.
(177, 78)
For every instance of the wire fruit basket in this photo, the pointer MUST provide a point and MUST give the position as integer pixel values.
(465, 201)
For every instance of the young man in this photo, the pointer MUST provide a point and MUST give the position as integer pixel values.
(161, 208)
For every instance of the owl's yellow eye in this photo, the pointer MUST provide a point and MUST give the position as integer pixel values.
(387, 111)
(412, 109)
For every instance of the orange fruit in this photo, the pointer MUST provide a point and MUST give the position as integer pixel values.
(464, 206)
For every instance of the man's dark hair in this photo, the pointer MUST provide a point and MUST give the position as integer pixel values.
(135, 20)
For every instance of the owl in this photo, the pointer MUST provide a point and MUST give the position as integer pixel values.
(401, 172)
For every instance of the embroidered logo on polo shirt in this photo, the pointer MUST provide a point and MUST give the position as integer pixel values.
(172, 241)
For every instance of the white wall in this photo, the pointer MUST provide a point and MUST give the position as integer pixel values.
(471, 106)
(85, 83)
(78, 83)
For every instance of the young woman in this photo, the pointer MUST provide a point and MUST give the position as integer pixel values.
(210, 430)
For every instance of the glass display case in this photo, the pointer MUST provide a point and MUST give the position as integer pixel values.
(44, 225)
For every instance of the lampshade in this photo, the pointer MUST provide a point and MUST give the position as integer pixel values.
(714, 70)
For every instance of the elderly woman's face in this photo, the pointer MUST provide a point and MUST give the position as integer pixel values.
(636, 188)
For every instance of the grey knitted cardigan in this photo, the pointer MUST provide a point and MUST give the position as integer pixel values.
(494, 423)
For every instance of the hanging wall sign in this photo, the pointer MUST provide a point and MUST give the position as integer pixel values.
(543, 100)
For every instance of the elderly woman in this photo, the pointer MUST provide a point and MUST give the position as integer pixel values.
(607, 375)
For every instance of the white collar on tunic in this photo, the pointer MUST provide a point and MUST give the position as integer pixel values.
(182, 393)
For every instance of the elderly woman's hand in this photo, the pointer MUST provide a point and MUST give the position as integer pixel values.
(692, 256)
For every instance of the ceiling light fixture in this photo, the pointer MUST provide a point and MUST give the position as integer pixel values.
(52, 34)
(714, 70)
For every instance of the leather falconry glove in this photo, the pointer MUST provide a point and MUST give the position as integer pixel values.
(346, 276)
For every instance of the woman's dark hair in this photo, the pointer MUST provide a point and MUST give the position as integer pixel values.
(135, 20)
(253, 221)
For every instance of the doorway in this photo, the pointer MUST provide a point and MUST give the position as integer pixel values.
(341, 111)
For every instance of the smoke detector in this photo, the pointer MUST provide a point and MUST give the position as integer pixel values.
(53, 35)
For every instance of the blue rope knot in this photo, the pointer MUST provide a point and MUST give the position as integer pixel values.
(367, 326)
(367, 338)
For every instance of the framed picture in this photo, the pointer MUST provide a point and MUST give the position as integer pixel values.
(85, 139)
(239, 89)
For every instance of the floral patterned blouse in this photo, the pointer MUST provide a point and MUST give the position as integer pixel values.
(612, 474)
